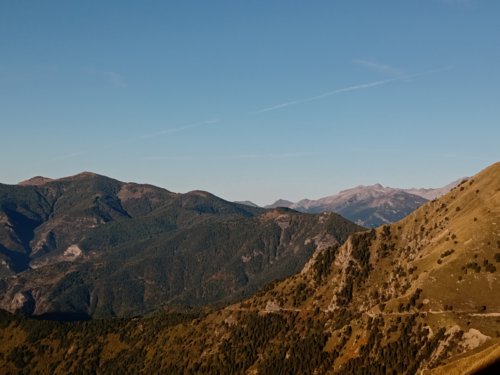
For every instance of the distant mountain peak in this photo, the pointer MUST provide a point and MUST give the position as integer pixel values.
(247, 203)
(37, 180)
(280, 203)
(369, 205)
(430, 193)
(375, 187)
(199, 193)
(41, 180)
(81, 175)
(86, 174)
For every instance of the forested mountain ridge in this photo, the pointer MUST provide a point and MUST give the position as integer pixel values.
(88, 245)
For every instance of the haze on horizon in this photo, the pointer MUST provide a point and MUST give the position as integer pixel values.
(251, 101)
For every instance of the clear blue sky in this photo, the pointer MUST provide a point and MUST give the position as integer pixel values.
(253, 100)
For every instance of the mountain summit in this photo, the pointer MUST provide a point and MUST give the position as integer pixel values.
(37, 180)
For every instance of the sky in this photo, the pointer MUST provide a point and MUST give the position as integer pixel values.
(250, 100)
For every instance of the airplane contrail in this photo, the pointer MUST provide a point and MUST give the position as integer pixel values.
(361, 86)
(329, 93)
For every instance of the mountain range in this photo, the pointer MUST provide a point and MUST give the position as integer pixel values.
(369, 206)
(91, 246)
(416, 296)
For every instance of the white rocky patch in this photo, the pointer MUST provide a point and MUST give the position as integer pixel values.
(474, 338)
(272, 306)
(283, 222)
(71, 253)
(18, 301)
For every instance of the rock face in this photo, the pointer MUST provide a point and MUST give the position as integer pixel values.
(369, 206)
(22, 302)
(95, 246)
